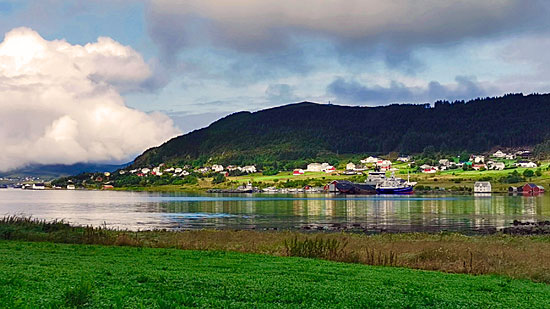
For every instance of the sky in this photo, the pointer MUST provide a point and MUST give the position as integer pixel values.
(103, 80)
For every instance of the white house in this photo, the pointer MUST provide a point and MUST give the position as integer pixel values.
(145, 170)
(369, 160)
(217, 168)
(444, 162)
(178, 170)
(499, 154)
(350, 166)
(314, 167)
(482, 187)
(249, 169)
(499, 166)
(38, 186)
(479, 159)
(527, 164)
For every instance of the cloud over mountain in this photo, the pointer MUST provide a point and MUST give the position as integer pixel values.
(61, 104)
(259, 26)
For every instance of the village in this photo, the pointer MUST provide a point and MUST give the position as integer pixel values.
(498, 171)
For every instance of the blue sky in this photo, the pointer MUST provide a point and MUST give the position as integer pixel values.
(210, 58)
(209, 62)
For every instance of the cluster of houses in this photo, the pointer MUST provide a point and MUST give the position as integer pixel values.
(315, 167)
(186, 170)
(528, 188)
(480, 162)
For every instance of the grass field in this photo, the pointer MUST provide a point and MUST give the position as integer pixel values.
(517, 257)
(35, 275)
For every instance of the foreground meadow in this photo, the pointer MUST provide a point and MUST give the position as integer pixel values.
(36, 275)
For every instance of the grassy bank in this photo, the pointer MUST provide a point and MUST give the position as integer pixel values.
(520, 257)
(36, 275)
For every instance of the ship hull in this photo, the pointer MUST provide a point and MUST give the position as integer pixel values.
(404, 190)
(346, 187)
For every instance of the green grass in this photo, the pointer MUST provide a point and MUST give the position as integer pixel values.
(34, 275)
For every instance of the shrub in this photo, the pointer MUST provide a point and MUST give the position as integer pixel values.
(78, 296)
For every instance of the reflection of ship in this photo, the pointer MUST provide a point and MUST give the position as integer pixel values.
(394, 185)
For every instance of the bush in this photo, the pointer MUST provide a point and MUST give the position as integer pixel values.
(528, 173)
(78, 296)
(218, 178)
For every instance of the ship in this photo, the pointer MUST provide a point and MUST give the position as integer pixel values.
(376, 183)
(395, 185)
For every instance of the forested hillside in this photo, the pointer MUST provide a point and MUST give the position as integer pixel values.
(308, 130)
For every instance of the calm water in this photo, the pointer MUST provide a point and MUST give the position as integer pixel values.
(141, 211)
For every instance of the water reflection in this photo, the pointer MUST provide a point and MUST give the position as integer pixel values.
(130, 210)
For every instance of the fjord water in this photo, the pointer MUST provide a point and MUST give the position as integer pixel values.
(175, 211)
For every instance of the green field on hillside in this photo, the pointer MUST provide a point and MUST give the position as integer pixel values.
(34, 275)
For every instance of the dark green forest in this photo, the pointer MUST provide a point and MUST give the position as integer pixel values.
(308, 130)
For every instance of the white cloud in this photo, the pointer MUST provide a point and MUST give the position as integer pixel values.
(60, 103)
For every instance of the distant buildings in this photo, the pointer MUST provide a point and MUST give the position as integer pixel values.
(482, 187)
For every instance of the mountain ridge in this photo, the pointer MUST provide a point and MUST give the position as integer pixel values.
(310, 130)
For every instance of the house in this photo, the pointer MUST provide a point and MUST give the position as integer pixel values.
(314, 167)
(499, 166)
(370, 160)
(178, 170)
(482, 187)
(329, 169)
(524, 154)
(383, 164)
(38, 186)
(527, 164)
(444, 162)
(404, 159)
(510, 156)
(350, 166)
(145, 171)
(217, 168)
(478, 159)
(425, 166)
(499, 154)
(531, 188)
(249, 169)
(297, 172)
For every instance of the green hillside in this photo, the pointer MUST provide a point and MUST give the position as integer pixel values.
(307, 130)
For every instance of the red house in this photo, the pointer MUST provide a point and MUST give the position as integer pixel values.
(531, 188)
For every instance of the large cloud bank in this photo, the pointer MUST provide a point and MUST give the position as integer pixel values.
(251, 25)
(60, 103)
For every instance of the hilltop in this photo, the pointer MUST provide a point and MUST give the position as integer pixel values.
(308, 130)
